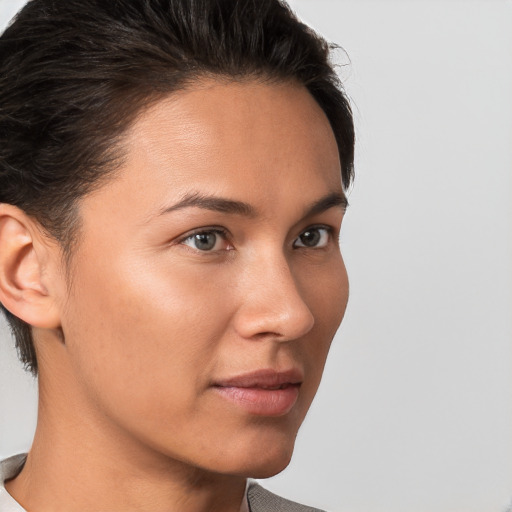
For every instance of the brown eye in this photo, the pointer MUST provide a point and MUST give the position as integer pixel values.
(313, 238)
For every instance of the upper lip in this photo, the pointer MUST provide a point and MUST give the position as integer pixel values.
(263, 378)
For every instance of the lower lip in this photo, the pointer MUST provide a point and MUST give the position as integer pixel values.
(262, 402)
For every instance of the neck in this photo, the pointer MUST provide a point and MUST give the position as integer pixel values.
(79, 462)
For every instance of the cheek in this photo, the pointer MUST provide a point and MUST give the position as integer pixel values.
(326, 290)
(327, 295)
(147, 334)
(338, 292)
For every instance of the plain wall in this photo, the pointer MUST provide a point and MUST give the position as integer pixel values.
(415, 409)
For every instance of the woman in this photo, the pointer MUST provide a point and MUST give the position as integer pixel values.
(172, 188)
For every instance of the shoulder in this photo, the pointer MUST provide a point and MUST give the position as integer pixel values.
(261, 500)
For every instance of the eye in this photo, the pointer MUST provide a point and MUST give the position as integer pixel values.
(315, 237)
(207, 241)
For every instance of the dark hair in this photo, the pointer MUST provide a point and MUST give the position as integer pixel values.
(74, 74)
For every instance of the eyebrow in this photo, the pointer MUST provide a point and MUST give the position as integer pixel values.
(214, 203)
(325, 203)
(230, 206)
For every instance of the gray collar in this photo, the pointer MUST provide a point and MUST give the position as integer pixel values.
(9, 468)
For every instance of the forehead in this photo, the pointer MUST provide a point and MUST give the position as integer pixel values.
(250, 141)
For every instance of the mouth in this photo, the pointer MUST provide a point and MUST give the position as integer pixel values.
(274, 388)
(263, 392)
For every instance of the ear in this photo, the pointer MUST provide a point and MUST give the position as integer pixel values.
(25, 260)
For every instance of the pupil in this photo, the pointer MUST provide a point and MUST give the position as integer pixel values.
(310, 238)
(205, 241)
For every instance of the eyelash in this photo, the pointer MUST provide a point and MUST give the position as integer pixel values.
(224, 234)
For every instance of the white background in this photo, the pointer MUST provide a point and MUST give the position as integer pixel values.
(415, 409)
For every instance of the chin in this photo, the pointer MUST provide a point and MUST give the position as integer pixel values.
(268, 470)
(264, 461)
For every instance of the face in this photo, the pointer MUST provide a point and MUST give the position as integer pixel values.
(208, 283)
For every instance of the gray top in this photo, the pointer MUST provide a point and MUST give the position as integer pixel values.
(258, 498)
(9, 468)
(261, 500)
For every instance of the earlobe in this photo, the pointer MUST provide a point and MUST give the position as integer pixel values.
(22, 262)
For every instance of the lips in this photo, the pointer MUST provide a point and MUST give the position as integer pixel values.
(266, 378)
(265, 392)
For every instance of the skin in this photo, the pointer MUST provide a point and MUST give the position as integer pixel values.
(128, 417)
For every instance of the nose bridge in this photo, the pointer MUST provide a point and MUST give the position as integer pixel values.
(272, 302)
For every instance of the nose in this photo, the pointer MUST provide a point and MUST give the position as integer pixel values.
(271, 303)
